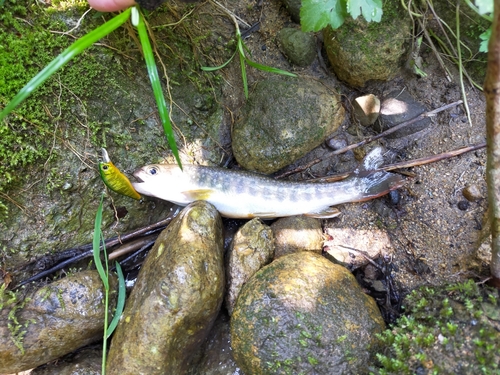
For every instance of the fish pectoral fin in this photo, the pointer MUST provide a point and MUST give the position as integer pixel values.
(326, 213)
(198, 194)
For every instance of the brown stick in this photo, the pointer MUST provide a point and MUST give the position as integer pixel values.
(372, 138)
(492, 93)
(408, 163)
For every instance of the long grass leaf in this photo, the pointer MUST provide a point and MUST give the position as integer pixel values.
(214, 68)
(120, 304)
(269, 68)
(96, 248)
(63, 58)
(157, 90)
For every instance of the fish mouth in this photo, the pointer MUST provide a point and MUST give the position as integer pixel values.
(136, 175)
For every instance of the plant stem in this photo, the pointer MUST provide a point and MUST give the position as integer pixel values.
(492, 93)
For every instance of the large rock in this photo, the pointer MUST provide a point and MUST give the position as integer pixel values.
(283, 120)
(176, 298)
(360, 51)
(252, 248)
(53, 321)
(304, 314)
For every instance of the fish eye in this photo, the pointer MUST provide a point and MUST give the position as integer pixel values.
(152, 171)
(105, 167)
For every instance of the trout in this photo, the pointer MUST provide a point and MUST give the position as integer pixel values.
(239, 194)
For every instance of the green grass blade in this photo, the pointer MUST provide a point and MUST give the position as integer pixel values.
(157, 90)
(97, 248)
(269, 69)
(243, 68)
(120, 304)
(63, 58)
(214, 68)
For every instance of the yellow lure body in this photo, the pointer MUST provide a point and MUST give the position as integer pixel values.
(114, 179)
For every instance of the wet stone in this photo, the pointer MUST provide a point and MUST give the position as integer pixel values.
(216, 353)
(87, 361)
(304, 314)
(53, 321)
(176, 299)
(252, 248)
(283, 120)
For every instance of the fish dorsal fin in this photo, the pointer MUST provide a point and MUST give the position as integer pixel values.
(326, 213)
(198, 194)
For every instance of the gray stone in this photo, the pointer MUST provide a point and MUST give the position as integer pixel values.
(53, 321)
(299, 47)
(304, 314)
(284, 119)
(176, 298)
(397, 108)
(297, 233)
(252, 248)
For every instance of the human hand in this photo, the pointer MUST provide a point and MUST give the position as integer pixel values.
(110, 5)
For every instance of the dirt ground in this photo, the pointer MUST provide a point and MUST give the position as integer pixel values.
(432, 239)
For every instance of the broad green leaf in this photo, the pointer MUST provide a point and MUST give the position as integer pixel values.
(485, 39)
(317, 14)
(370, 9)
(484, 6)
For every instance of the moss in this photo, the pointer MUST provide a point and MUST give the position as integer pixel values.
(57, 108)
(449, 329)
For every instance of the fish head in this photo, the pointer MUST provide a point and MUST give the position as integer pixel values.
(164, 181)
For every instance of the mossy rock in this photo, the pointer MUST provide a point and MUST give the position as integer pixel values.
(302, 314)
(360, 51)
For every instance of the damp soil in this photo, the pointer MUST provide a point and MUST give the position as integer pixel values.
(434, 231)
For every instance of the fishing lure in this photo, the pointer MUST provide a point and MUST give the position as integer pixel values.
(114, 179)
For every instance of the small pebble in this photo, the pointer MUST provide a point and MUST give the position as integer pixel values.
(472, 193)
(336, 143)
(463, 205)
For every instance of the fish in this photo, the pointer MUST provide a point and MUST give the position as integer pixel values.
(241, 194)
(114, 179)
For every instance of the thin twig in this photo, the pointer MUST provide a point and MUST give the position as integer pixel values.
(407, 163)
(371, 139)
(86, 250)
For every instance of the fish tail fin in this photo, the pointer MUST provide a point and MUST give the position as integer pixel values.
(376, 184)
(372, 184)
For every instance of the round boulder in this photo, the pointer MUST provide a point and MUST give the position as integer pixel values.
(360, 51)
(284, 119)
(304, 314)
